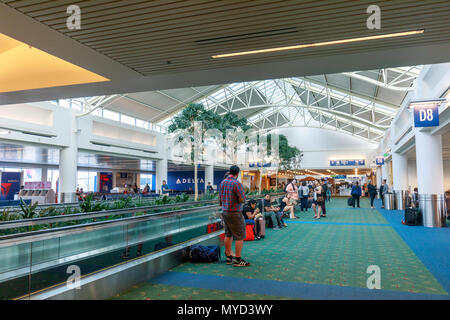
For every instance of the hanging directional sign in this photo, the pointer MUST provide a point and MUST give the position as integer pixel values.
(336, 163)
(379, 161)
(426, 113)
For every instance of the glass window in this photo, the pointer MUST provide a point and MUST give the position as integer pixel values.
(107, 114)
(76, 105)
(87, 180)
(98, 112)
(144, 179)
(141, 123)
(127, 120)
(53, 176)
(64, 103)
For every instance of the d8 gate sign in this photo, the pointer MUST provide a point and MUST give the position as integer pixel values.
(426, 115)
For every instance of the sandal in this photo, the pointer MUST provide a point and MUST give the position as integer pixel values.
(230, 259)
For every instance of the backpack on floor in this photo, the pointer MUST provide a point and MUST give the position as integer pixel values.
(351, 201)
(202, 254)
(413, 217)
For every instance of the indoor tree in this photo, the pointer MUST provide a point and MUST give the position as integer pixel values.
(188, 122)
(289, 158)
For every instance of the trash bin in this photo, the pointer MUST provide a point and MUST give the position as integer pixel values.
(389, 201)
(400, 197)
(433, 210)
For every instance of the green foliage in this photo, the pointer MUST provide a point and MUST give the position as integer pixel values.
(87, 204)
(49, 212)
(28, 211)
(7, 215)
(290, 157)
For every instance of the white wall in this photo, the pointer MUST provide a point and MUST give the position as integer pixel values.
(319, 146)
(412, 174)
(446, 175)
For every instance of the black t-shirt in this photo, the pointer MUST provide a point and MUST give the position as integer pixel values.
(247, 208)
(282, 205)
(267, 203)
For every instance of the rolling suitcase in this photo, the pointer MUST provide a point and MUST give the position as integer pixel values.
(351, 202)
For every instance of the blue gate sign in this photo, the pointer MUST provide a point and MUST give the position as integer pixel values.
(426, 114)
(379, 161)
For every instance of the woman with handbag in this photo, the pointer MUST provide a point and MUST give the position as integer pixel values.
(318, 199)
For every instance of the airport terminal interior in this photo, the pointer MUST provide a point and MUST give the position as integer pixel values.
(121, 119)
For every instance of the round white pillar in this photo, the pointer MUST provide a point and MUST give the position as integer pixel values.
(430, 178)
(68, 162)
(209, 175)
(400, 180)
(385, 172)
(161, 173)
(400, 171)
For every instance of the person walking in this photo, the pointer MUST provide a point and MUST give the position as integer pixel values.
(303, 195)
(317, 199)
(209, 188)
(324, 186)
(231, 196)
(356, 193)
(372, 190)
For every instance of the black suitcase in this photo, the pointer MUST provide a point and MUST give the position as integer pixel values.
(351, 201)
(413, 217)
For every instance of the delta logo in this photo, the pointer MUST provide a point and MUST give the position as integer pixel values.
(5, 189)
(189, 180)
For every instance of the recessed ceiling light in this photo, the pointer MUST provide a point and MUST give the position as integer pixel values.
(320, 44)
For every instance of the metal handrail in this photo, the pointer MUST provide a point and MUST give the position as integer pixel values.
(18, 238)
(90, 215)
(76, 204)
(97, 214)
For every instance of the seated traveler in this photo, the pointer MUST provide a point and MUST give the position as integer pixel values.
(287, 205)
(272, 213)
(252, 215)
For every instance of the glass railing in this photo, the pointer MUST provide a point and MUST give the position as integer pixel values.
(35, 261)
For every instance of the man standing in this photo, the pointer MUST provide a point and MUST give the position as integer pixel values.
(383, 190)
(324, 194)
(209, 188)
(164, 188)
(231, 196)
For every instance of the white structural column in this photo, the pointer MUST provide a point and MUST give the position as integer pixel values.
(400, 179)
(209, 175)
(400, 171)
(161, 173)
(68, 161)
(385, 171)
(430, 178)
(379, 176)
